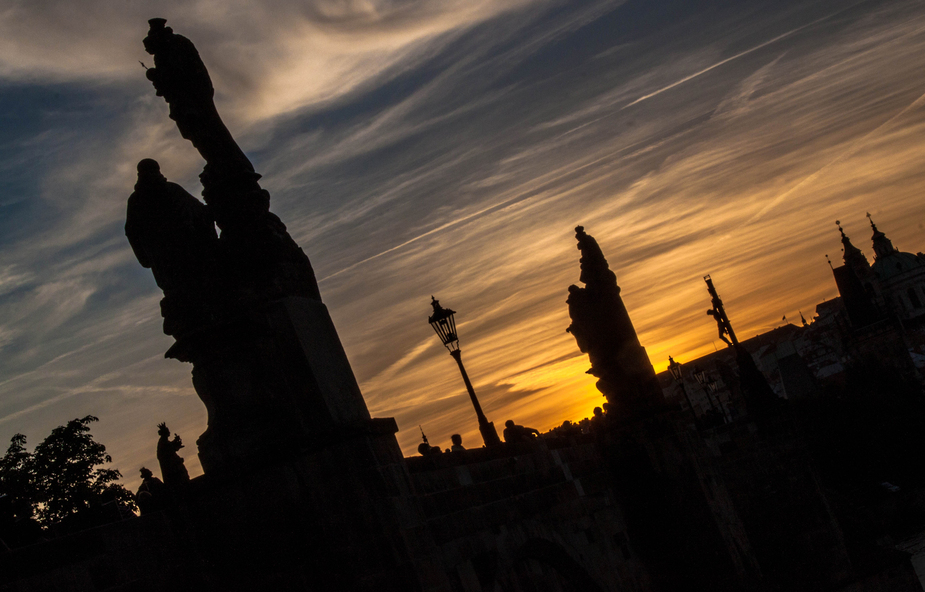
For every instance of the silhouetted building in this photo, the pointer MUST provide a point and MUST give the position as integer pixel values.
(900, 277)
(883, 301)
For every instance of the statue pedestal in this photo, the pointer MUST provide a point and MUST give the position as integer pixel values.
(339, 517)
(275, 382)
(302, 489)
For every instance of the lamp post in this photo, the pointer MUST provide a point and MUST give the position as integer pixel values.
(675, 369)
(701, 376)
(714, 388)
(445, 325)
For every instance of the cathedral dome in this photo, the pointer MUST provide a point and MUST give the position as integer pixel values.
(889, 262)
(896, 263)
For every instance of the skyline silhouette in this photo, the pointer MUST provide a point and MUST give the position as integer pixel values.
(453, 151)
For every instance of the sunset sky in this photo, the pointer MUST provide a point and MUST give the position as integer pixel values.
(450, 147)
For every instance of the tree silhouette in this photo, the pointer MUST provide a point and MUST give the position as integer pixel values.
(62, 479)
(15, 479)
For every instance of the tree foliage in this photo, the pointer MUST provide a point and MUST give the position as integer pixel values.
(63, 477)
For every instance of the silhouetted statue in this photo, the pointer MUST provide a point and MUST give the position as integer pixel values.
(518, 433)
(152, 494)
(720, 325)
(603, 329)
(457, 446)
(183, 80)
(172, 233)
(243, 305)
(172, 466)
(760, 399)
(266, 262)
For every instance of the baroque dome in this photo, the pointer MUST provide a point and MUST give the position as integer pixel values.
(896, 263)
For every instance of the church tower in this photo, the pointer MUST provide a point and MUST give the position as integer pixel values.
(603, 330)
(883, 247)
(900, 277)
(854, 284)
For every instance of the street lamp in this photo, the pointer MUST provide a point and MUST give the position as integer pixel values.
(445, 326)
(700, 375)
(714, 389)
(709, 387)
(675, 369)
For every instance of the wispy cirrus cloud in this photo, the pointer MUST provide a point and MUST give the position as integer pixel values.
(418, 148)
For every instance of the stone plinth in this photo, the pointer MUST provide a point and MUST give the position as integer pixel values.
(340, 516)
(275, 381)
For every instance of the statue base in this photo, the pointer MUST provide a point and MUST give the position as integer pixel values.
(275, 382)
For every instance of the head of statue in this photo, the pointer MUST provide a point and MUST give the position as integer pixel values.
(162, 429)
(146, 473)
(598, 412)
(149, 172)
(157, 34)
(456, 439)
(509, 423)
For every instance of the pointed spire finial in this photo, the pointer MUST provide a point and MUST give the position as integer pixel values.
(882, 245)
(851, 254)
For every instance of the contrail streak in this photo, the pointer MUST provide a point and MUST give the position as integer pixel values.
(420, 236)
(738, 55)
(519, 196)
(854, 147)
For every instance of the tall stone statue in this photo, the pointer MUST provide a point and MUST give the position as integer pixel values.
(173, 234)
(603, 329)
(243, 305)
(267, 263)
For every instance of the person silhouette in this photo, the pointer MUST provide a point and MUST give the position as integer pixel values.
(518, 433)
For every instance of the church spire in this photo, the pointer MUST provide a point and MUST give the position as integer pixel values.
(854, 258)
(853, 281)
(882, 245)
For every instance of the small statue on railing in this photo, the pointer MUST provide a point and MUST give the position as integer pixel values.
(172, 467)
(152, 494)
